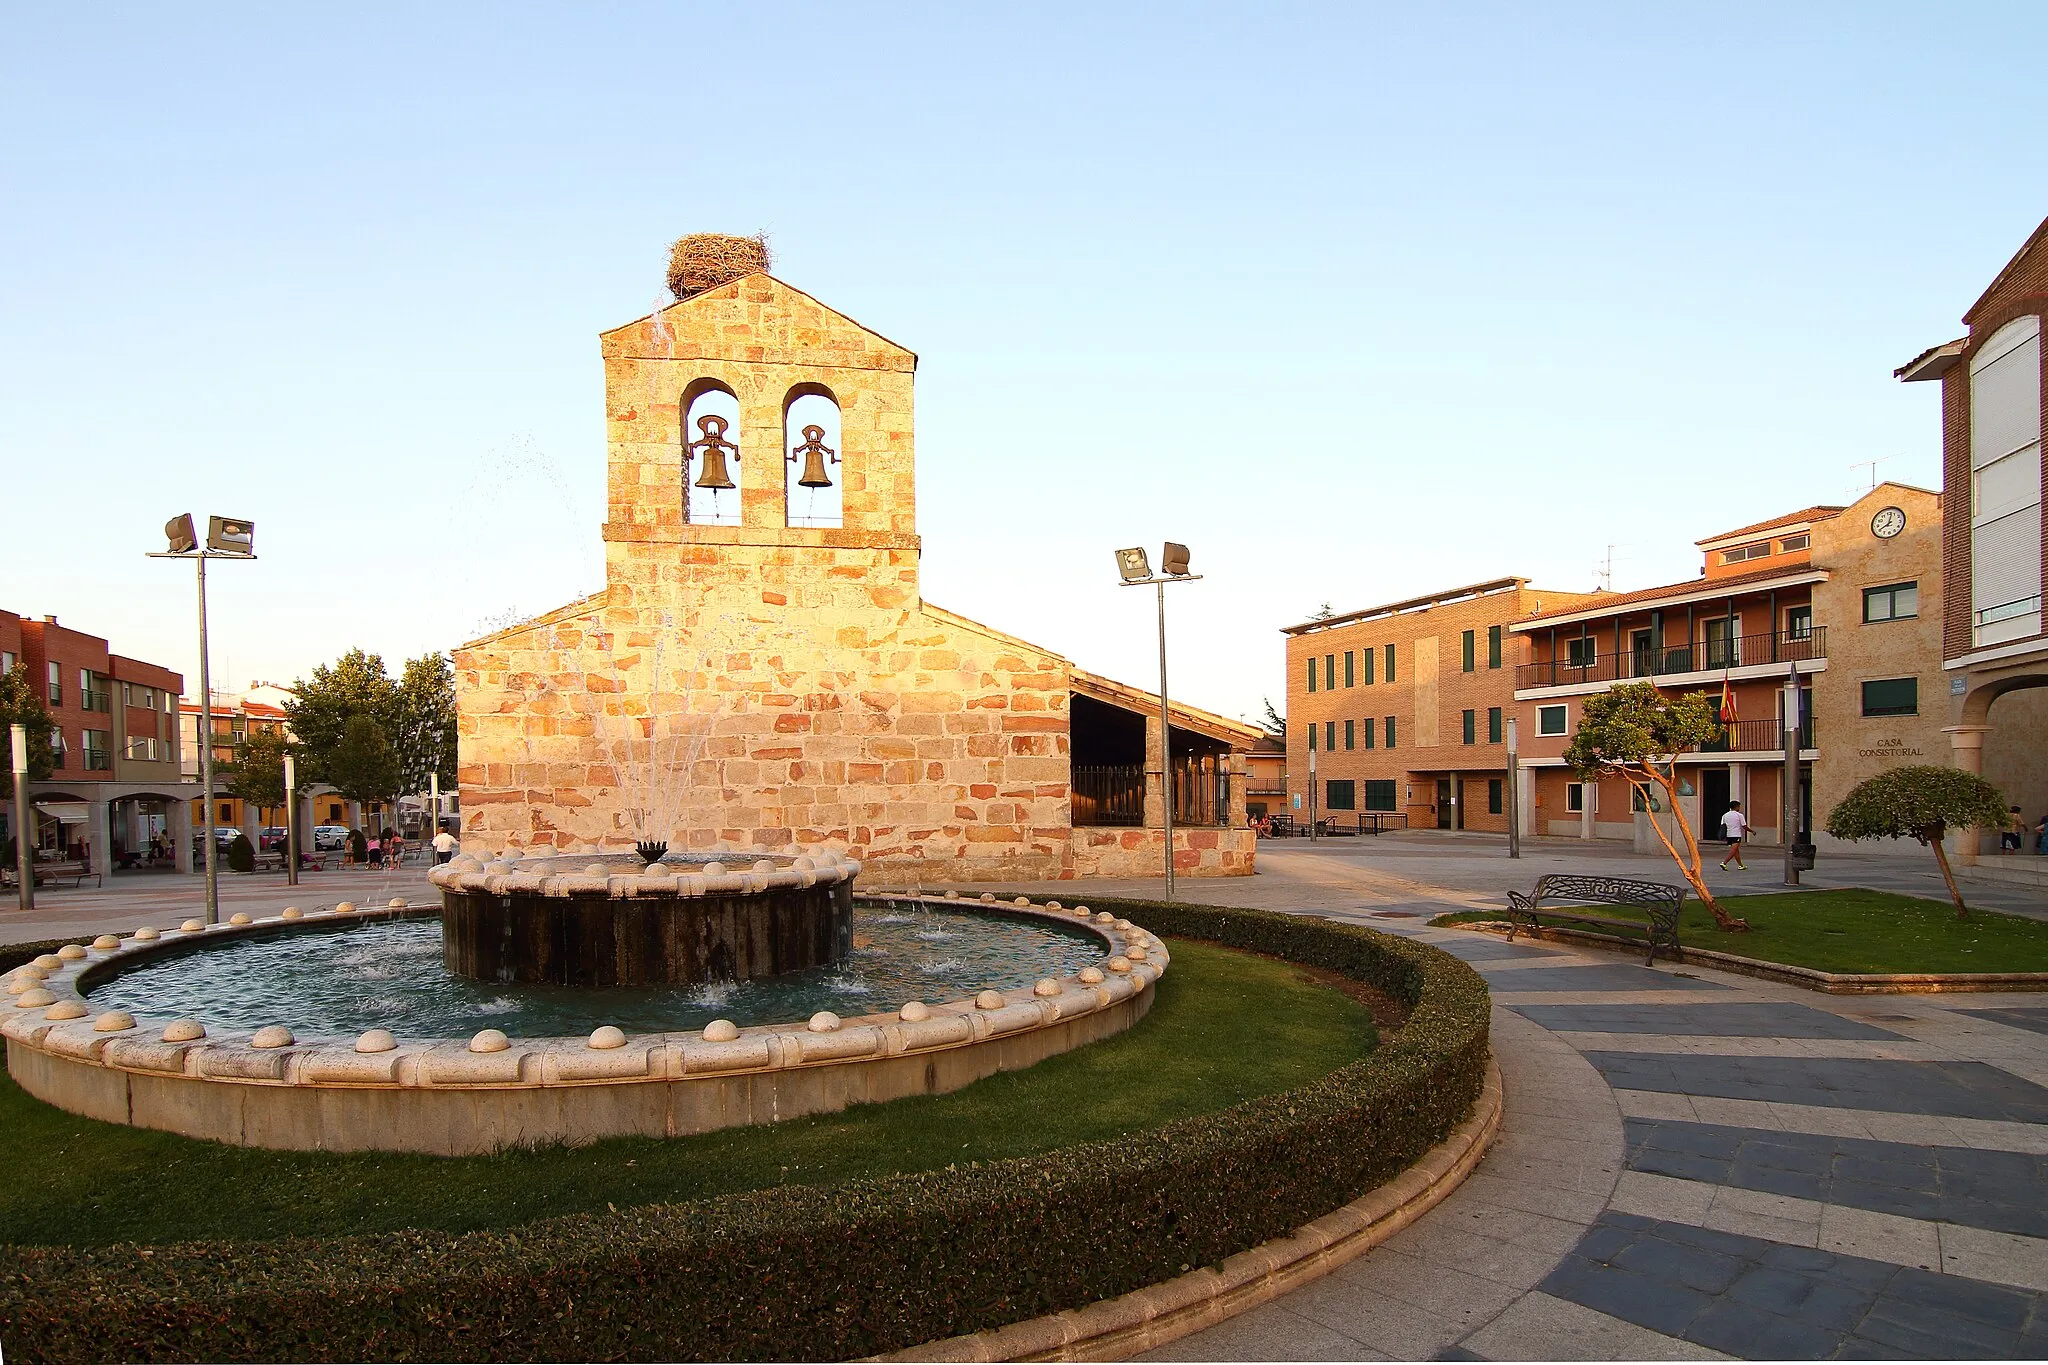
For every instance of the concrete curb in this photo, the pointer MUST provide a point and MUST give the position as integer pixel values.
(1144, 1319)
(1829, 983)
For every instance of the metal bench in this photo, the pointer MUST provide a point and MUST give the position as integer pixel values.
(46, 873)
(1560, 898)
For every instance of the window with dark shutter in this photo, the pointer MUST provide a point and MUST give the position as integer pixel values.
(1493, 646)
(1467, 658)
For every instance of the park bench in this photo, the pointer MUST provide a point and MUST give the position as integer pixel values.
(1566, 898)
(46, 873)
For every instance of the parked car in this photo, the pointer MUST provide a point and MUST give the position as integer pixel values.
(330, 838)
(272, 839)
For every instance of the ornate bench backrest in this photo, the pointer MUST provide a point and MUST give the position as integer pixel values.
(1568, 886)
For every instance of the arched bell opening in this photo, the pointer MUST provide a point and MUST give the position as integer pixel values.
(712, 471)
(814, 482)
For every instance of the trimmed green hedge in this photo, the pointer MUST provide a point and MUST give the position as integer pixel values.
(814, 1272)
(12, 955)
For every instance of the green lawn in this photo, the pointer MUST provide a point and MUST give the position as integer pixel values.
(1860, 931)
(1227, 1027)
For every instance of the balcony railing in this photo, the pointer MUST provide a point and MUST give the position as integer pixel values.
(99, 760)
(95, 700)
(1698, 656)
(1752, 735)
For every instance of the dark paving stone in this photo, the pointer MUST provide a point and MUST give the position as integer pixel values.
(1966, 1090)
(1790, 1303)
(1596, 977)
(1997, 1191)
(2033, 1018)
(1458, 1353)
(1472, 948)
(1754, 1020)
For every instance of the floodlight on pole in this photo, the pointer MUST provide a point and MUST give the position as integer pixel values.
(1135, 568)
(24, 855)
(226, 538)
(1514, 793)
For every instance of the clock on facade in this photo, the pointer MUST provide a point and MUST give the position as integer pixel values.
(1888, 523)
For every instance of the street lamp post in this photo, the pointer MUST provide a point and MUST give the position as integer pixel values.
(24, 856)
(1311, 786)
(1514, 795)
(226, 538)
(1136, 571)
(1788, 789)
(291, 821)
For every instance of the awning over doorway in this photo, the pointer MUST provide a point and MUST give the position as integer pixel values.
(68, 812)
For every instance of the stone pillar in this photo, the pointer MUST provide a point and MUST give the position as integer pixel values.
(1155, 785)
(99, 836)
(1239, 768)
(1966, 746)
(179, 832)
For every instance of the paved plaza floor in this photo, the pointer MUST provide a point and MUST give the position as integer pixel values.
(1692, 1164)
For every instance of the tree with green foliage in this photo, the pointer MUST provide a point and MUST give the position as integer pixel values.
(423, 723)
(21, 703)
(1274, 724)
(1924, 802)
(1637, 733)
(362, 766)
(257, 772)
(354, 687)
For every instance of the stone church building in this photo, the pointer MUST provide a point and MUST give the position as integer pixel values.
(755, 675)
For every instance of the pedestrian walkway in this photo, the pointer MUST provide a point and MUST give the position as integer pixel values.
(1698, 1165)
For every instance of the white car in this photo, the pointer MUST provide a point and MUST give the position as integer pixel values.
(330, 838)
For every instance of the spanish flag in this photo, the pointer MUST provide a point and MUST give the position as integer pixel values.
(1728, 716)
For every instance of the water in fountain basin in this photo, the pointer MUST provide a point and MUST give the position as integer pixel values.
(335, 984)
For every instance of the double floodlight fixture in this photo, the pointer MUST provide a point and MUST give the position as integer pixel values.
(224, 536)
(1134, 566)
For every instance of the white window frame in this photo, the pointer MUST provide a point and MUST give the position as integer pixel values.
(1564, 725)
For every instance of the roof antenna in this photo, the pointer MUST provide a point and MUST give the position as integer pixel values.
(1604, 570)
(1871, 465)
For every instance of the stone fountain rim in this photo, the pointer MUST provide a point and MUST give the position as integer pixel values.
(443, 1063)
(570, 874)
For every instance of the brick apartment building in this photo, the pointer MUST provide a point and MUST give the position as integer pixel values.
(1994, 650)
(1846, 598)
(114, 736)
(1404, 706)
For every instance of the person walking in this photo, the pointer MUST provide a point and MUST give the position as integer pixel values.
(444, 846)
(1735, 828)
(376, 850)
(2014, 836)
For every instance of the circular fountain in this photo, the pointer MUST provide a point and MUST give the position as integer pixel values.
(616, 920)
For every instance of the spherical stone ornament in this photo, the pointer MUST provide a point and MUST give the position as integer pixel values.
(606, 1037)
(1118, 964)
(824, 1021)
(272, 1035)
(1079, 912)
(768, 865)
(657, 870)
(49, 962)
(1046, 986)
(395, 903)
(952, 893)
(239, 917)
(1123, 925)
(990, 1000)
(595, 870)
(20, 985)
(345, 908)
(184, 1031)
(147, 935)
(1091, 976)
(376, 1040)
(1104, 917)
(106, 941)
(66, 1009)
(191, 926)
(721, 1031)
(1021, 900)
(1054, 906)
(490, 1040)
(714, 869)
(989, 897)
(70, 952)
(114, 1021)
(291, 912)
(915, 1012)
(34, 998)
(1135, 953)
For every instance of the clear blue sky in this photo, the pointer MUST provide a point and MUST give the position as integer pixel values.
(1359, 302)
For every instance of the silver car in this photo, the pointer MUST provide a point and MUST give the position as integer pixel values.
(330, 838)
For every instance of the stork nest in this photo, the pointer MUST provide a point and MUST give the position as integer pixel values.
(705, 260)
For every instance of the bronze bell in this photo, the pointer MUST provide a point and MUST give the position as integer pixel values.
(814, 450)
(713, 447)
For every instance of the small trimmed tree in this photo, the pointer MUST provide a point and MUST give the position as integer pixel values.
(22, 704)
(1924, 802)
(1637, 733)
(257, 774)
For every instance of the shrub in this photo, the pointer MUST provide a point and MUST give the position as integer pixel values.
(241, 854)
(815, 1272)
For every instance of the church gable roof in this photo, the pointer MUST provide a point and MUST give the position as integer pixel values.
(756, 319)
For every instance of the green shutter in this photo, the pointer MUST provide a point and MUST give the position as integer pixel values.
(1471, 734)
(1390, 725)
(1493, 646)
(1465, 650)
(1329, 672)
(1350, 732)
(1369, 657)
(1390, 663)
(1368, 725)
(1311, 736)
(1311, 673)
(1329, 736)
(1350, 678)
(1493, 794)
(1493, 725)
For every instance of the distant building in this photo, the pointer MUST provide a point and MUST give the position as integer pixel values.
(116, 786)
(1994, 648)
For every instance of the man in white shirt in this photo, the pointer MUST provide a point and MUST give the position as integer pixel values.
(444, 846)
(1735, 828)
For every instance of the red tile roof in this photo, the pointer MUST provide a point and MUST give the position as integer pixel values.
(1733, 583)
(1789, 519)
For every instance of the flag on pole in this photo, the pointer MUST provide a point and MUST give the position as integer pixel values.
(1728, 716)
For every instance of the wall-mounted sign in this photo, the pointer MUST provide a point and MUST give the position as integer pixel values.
(1890, 749)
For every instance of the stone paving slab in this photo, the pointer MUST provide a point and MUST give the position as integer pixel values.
(1973, 1090)
(1593, 977)
(2032, 1018)
(1999, 1191)
(1761, 1299)
(1736, 1019)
